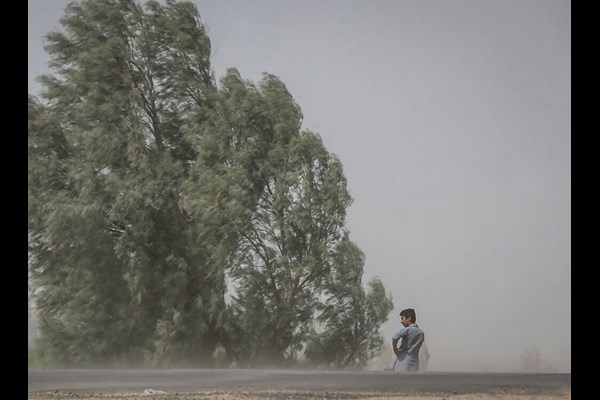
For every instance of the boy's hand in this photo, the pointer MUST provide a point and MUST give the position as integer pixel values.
(397, 351)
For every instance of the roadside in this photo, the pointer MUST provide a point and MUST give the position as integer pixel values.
(265, 394)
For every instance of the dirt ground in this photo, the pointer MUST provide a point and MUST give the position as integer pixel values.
(255, 394)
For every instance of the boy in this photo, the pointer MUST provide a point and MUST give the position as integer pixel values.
(407, 355)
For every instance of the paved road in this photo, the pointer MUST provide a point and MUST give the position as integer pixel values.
(187, 380)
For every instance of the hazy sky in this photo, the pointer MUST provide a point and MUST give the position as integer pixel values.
(452, 119)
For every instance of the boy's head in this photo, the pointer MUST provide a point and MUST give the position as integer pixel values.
(408, 316)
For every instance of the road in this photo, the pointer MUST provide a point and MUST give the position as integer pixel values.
(188, 380)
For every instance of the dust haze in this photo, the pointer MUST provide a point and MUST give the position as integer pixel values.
(452, 120)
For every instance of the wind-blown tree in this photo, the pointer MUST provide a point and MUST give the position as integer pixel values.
(243, 145)
(532, 361)
(288, 248)
(153, 192)
(233, 165)
(347, 329)
(107, 226)
(79, 283)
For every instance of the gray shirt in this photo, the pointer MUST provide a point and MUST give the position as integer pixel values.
(412, 339)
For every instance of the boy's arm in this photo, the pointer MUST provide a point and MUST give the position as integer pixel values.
(395, 339)
(398, 335)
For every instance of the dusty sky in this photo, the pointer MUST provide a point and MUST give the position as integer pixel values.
(452, 119)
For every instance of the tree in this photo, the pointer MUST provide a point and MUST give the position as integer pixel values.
(110, 245)
(347, 333)
(532, 361)
(288, 249)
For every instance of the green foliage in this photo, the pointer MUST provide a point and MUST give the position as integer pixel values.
(153, 190)
(347, 334)
(112, 258)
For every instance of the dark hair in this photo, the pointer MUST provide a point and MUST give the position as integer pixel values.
(409, 313)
